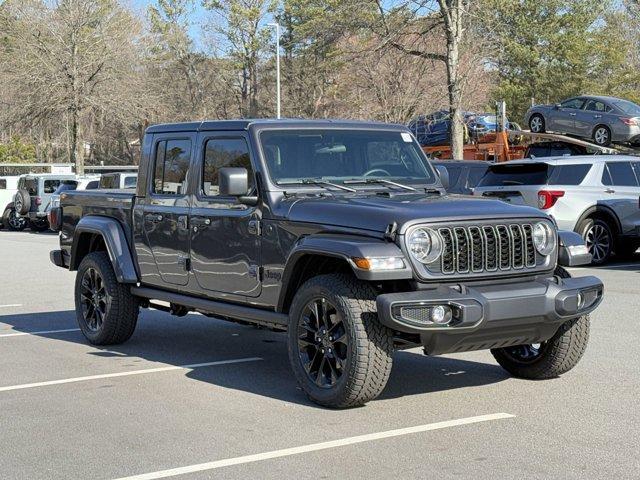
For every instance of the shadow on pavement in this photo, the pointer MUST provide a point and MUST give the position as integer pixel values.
(196, 339)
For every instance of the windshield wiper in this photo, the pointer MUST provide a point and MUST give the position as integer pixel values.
(317, 181)
(382, 181)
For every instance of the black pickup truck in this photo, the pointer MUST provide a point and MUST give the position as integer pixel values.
(341, 234)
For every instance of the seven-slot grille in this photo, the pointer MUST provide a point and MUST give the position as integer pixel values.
(486, 248)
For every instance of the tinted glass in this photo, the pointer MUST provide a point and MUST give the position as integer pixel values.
(627, 107)
(108, 181)
(573, 103)
(475, 175)
(92, 185)
(220, 153)
(130, 182)
(51, 185)
(499, 175)
(339, 154)
(3, 184)
(596, 106)
(568, 174)
(538, 151)
(453, 171)
(620, 174)
(172, 163)
(65, 187)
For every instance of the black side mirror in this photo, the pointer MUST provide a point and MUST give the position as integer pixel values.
(557, 106)
(233, 182)
(443, 173)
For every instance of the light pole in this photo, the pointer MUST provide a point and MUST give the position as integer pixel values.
(277, 26)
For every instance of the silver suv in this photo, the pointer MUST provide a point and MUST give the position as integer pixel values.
(595, 196)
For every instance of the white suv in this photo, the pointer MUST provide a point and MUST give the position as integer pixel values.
(595, 196)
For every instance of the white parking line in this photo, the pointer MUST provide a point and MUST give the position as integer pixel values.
(41, 332)
(314, 447)
(126, 374)
(11, 305)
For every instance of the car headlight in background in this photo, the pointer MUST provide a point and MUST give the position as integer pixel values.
(544, 238)
(424, 245)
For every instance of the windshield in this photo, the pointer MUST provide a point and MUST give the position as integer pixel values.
(339, 156)
(627, 107)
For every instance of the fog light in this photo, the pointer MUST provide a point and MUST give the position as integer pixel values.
(441, 314)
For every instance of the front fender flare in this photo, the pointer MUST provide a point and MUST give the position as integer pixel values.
(115, 240)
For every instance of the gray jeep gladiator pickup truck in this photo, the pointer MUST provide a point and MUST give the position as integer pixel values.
(341, 234)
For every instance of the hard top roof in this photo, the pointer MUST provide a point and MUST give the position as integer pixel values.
(246, 124)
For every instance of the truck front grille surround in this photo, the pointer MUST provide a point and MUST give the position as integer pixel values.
(485, 250)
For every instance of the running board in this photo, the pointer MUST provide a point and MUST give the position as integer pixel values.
(222, 309)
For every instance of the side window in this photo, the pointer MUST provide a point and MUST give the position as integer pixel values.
(595, 106)
(171, 166)
(569, 174)
(130, 182)
(573, 103)
(220, 153)
(620, 174)
(92, 185)
(3, 184)
(50, 185)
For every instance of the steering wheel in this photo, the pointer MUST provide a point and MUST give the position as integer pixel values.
(374, 170)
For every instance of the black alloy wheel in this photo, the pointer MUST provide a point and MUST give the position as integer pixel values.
(94, 299)
(322, 343)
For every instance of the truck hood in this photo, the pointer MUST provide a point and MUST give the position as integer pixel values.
(376, 212)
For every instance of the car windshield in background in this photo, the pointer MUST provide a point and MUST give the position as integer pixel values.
(627, 107)
(534, 174)
(344, 156)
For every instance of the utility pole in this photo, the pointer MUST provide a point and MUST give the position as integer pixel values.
(277, 27)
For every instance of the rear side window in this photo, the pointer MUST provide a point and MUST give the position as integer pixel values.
(51, 185)
(568, 174)
(619, 174)
(130, 182)
(92, 185)
(171, 166)
(3, 184)
(108, 181)
(220, 153)
(521, 174)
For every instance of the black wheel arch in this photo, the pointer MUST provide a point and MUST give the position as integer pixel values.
(95, 233)
(602, 212)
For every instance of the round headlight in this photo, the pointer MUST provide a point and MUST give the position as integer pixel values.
(544, 238)
(424, 245)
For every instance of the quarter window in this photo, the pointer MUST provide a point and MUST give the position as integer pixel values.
(220, 153)
(569, 174)
(171, 166)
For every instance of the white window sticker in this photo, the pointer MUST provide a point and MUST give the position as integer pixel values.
(406, 137)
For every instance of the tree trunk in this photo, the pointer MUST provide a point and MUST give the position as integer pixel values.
(452, 14)
(77, 149)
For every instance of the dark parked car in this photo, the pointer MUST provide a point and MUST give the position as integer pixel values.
(557, 149)
(339, 233)
(463, 175)
(602, 119)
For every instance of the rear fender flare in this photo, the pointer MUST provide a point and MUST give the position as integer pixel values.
(115, 241)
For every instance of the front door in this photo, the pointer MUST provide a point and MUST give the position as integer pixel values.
(225, 241)
(165, 212)
(563, 119)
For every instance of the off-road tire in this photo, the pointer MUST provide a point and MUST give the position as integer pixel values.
(22, 202)
(122, 308)
(39, 225)
(558, 355)
(370, 344)
(8, 224)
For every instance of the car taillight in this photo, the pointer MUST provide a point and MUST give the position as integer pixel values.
(548, 198)
(38, 201)
(632, 122)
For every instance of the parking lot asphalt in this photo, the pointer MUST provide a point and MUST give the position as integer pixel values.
(196, 398)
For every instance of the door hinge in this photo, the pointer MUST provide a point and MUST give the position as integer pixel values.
(255, 228)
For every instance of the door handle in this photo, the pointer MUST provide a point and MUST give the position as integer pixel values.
(597, 116)
(153, 217)
(610, 190)
(572, 114)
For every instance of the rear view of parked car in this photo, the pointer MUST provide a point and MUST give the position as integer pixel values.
(90, 182)
(602, 119)
(10, 220)
(34, 194)
(595, 196)
(463, 175)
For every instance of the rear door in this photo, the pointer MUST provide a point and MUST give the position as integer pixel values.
(594, 112)
(165, 211)
(225, 241)
(621, 192)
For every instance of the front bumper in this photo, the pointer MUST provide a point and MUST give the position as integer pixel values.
(491, 316)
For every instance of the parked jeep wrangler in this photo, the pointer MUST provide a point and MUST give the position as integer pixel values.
(339, 233)
(34, 194)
